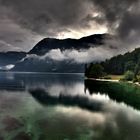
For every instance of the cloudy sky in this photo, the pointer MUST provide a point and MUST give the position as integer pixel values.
(24, 23)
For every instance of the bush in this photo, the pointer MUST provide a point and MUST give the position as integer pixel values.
(96, 71)
(135, 80)
(128, 76)
(138, 80)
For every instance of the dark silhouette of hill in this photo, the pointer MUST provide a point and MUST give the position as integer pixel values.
(83, 43)
(49, 65)
(7, 58)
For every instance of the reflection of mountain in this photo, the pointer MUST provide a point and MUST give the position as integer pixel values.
(68, 100)
(120, 92)
(79, 118)
(56, 89)
(22, 81)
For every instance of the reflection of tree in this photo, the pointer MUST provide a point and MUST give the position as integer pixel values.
(120, 92)
(67, 100)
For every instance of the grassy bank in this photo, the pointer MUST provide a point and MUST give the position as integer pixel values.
(115, 77)
(119, 91)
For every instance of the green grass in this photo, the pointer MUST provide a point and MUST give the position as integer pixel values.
(114, 77)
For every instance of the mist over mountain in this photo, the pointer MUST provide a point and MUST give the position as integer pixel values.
(55, 55)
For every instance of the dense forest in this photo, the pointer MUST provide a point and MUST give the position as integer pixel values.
(117, 65)
(121, 63)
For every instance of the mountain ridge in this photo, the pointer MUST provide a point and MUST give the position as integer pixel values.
(45, 44)
(49, 65)
(11, 57)
(24, 63)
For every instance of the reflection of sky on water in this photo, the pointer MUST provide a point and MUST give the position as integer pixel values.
(113, 121)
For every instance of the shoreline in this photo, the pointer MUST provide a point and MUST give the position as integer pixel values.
(116, 81)
(103, 80)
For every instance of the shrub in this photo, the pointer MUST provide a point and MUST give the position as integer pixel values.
(96, 71)
(128, 76)
(135, 79)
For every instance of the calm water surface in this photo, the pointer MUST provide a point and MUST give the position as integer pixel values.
(59, 107)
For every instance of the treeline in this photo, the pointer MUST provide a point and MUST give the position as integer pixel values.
(122, 63)
(117, 65)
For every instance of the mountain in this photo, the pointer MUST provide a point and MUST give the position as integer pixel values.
(7, 58)
(83, 43)
(35, 64)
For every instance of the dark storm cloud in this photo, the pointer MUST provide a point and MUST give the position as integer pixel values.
(15, 38)
(123, 16)
(48, 16)
(54, 16)
(33, 18)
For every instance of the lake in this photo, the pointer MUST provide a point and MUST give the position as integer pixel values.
(35, 106)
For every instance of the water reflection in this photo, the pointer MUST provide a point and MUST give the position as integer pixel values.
(25, 81)
(67, 100)
(55, 107)
(120, 92)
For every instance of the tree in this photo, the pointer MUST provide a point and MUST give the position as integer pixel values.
(130, 65)
(129, 76)
(137, 69)
(96, 71)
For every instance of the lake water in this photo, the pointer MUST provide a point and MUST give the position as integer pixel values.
(59, 107)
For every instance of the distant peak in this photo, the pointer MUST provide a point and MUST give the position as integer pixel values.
(47, 44)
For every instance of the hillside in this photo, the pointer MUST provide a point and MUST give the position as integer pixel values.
(36, 64)
(83, 43)
(48, 65)
(7, 58)
(118, 65)
(122, 63)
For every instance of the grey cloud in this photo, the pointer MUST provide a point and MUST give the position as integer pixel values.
(15, 38)
(122, 16)
(4, 46)
(38, 18)
(78, 56)
(130, 25)
(31, 20)
(51, 17)
(47, 16)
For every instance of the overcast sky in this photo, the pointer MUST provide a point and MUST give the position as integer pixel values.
(25, 22)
